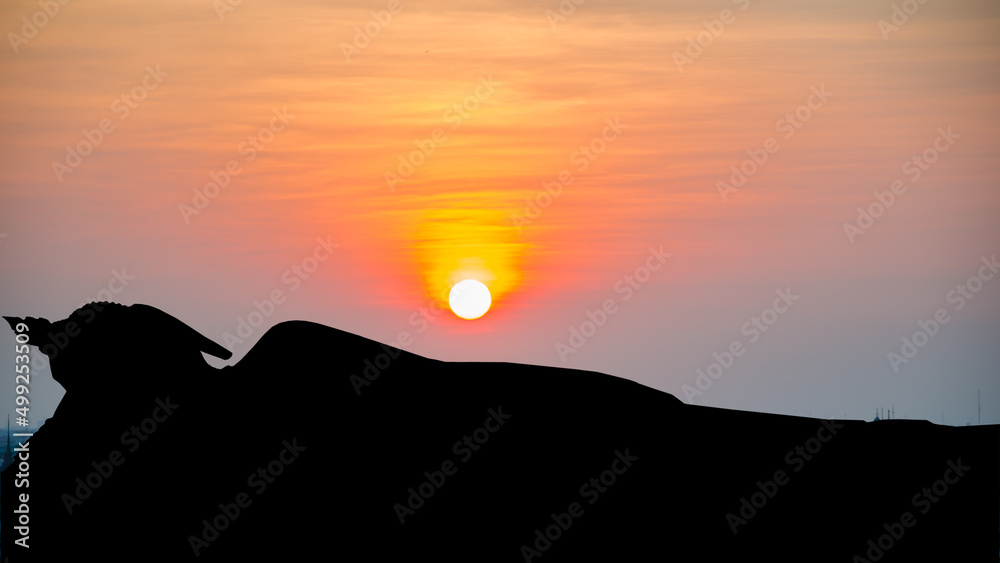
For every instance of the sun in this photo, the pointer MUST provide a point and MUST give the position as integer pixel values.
(469, 299)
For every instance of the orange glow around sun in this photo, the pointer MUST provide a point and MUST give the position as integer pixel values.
(459, 244)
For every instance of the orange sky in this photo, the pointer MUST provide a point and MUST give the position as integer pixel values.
(533, 95)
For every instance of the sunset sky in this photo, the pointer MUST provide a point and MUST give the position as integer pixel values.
(373, 156)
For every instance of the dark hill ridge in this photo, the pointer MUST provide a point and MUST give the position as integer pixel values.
(321, 441)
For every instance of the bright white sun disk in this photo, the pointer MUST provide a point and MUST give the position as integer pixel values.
(469, 299)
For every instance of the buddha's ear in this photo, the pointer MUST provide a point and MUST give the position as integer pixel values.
(182, 331)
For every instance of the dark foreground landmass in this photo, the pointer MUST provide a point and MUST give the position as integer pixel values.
(323, 445)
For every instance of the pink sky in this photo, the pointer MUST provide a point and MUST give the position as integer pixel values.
(533, 95)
